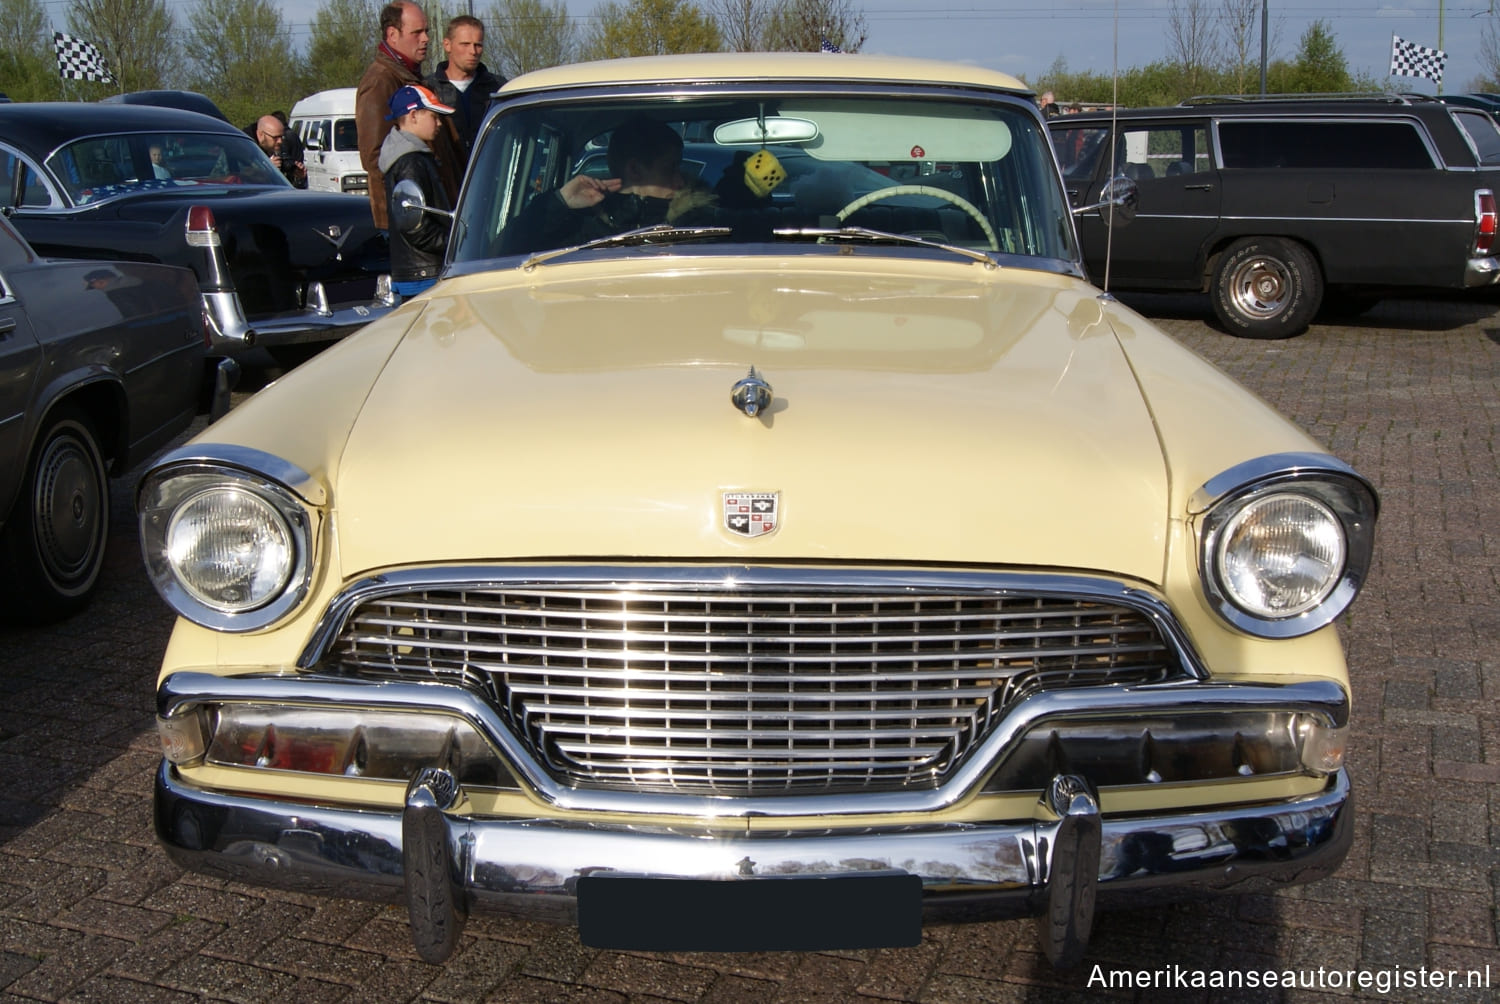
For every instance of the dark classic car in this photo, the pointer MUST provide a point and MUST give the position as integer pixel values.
(100, 365)
(276, 266)
(1279, 207)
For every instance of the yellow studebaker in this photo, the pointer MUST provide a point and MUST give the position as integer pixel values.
(763, 536)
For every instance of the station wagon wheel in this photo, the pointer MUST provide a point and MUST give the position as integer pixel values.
(53, 541)
(1266, 287)
(936, 193)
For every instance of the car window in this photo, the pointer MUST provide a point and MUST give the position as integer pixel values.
(21, 185)
(345, 136)
(100, 167)
(1163, 151)
(1079, 149)
(967, 173)
(1483, 132)
(1311, 143)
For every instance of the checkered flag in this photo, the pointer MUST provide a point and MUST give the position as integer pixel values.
(827, 46)
(1408, 59)
(80, 60)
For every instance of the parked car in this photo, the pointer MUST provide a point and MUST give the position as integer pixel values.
(1274, 207)
(325, 123)
(277, 267)
(100, 365)
(765, 579)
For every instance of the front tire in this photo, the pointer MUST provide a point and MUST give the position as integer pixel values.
(1266, 287)
(53, 542)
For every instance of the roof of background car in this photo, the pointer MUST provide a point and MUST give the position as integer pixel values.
(765, 66)
(1252, 107)
(39, 127)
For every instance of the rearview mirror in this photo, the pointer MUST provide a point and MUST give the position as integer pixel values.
(770, 129)
(408, 205)
(1117, 201)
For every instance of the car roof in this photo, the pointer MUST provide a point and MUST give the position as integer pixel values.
(43, 126)
(765, 67)
(187, 100)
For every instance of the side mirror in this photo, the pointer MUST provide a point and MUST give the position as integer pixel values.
(1117, 199)
(311, 141)
(408, 204)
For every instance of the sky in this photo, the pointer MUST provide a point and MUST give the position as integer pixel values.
(1025, 37)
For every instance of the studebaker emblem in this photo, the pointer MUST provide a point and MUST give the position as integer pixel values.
(751, 514)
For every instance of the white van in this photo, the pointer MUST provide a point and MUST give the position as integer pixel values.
(325, 124)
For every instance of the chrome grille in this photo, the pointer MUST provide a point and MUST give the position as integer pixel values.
(748, 691)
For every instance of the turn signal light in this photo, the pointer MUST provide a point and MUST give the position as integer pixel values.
(1486, 223)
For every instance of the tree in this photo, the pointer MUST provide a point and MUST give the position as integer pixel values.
(344, 35)
(1241, 43)
(803, 26)
(526, 35)
(1192, 40)
(28, 67)
(134, 36)
(650, 28)
(742, 23)
(1319, 66)
(1489, 59)
(238, 53)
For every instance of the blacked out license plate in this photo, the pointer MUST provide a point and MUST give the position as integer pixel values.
(801, 913)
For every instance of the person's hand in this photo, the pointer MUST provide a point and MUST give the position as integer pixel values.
(276, 161)
(584, 191)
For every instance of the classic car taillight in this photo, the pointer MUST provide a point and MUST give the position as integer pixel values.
(1485, 221)
(201, 231)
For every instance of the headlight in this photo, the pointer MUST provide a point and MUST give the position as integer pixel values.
(1281, 555)
(1284, 551)
(227, 548)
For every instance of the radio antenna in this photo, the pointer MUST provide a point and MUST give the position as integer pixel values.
(1114, 142)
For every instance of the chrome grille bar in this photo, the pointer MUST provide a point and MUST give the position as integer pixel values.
(749, 688)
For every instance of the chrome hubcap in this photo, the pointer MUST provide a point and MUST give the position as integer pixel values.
(1260, 287)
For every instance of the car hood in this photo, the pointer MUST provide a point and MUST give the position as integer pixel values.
(917, 417)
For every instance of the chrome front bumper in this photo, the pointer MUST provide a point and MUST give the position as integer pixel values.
(533, 867)
(230, 331)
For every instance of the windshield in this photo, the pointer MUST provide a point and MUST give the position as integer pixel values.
(100, 167)
(978, 175)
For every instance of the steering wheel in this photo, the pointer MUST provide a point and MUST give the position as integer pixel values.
(936, 193)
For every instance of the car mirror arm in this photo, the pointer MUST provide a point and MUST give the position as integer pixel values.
(410, 204)
(1119, 195)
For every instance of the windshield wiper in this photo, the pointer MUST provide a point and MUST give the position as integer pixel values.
(883, 237)
(659, 233)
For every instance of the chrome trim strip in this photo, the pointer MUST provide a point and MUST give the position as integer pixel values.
(1289, 465)
(529, 866)
(729, 577)
(244, 458)
(181, 693)
(1344, 219)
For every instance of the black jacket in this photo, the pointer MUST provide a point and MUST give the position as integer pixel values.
(417, 253)
(468, 105)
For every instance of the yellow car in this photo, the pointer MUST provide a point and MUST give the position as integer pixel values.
(762, 559)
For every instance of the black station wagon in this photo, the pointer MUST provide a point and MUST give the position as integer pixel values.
(1279, 207)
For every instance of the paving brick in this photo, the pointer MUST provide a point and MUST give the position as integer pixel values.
(640, 974)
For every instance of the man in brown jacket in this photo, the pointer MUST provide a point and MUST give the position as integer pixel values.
(397, 62)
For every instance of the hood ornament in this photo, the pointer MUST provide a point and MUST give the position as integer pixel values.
(752, 395)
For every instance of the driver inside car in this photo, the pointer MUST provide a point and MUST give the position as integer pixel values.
(646, 187)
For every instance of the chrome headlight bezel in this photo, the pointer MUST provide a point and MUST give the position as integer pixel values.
(1330, 487)
(179, 481)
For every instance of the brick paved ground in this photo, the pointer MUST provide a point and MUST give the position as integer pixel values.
(90, 910)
